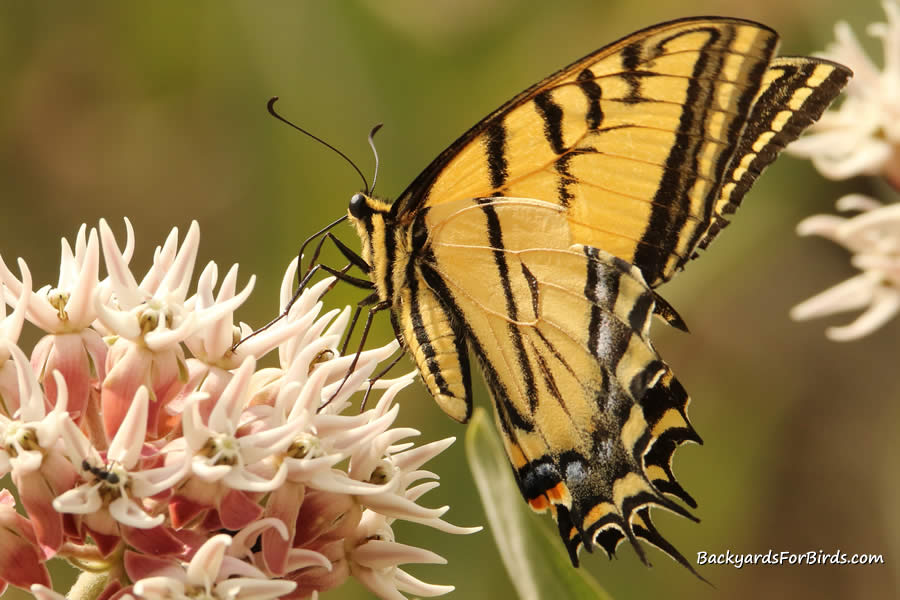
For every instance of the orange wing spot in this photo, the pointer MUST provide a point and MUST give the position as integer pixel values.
(539, 504)
(559, 494)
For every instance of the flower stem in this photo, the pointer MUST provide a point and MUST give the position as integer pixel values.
(89, 585)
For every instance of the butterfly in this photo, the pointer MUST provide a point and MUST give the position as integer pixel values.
(537, 240)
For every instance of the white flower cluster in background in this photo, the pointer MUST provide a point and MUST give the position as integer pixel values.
(143, 444)
(861, 137)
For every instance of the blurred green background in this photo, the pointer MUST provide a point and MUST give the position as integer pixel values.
(158, 113)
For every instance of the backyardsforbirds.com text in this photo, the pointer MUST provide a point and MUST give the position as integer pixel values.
(812, 557)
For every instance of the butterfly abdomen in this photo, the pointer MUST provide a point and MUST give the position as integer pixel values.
(424, 324)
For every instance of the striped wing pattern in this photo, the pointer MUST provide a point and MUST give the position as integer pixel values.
(589, 412)
(536, 241)
(635, 139)
(794, 93)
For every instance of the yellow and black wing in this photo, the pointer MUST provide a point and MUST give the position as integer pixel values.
(636, 139)
(536, 241)
(590, 414)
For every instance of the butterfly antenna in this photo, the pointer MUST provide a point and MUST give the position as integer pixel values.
(375, 152)
(271, 107)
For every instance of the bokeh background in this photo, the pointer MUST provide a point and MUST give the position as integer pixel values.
(157, 113)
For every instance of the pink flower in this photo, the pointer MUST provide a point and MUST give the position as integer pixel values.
(10, 328)
(65, 312)
(111, 498)
(178, 437)
(21, 562)
(212, 574)
(30, 451)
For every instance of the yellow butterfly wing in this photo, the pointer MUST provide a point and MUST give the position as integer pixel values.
(590, 415)
(635, 139)
(536, 239)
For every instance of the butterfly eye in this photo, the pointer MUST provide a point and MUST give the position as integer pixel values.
(358, 206)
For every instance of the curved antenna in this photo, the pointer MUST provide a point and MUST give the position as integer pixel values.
(271, 107)
(375, 152)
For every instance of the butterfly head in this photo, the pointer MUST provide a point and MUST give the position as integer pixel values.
(374, 225)
(358, 208)
(369, 215)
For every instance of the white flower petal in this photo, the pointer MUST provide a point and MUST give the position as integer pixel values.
(80, 307)
(82, 500)
(413, 459)
(26, 303)
(204, 566)
(254, 589)
(127, 512)
(379, 584)
(178, 277)
(851, 294)
(861, 135)
(301, 558)
(380, 554)
(125, 447)
(120, 278)
(868, 158)
(409, 584)
(859, 202)
(160, 588)
(243, 479)
(883, 308)
(153, 481)
(827, 226)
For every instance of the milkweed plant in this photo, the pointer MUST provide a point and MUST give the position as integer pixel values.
(164, 462)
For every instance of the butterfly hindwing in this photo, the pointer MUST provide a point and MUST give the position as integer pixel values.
(437, 344)
(561, 331)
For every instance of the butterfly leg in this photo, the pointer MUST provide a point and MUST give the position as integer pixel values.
(315, 256)
(341, 275)
(362, 340)
(372, 380)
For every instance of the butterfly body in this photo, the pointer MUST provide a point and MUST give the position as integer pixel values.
(537, 239)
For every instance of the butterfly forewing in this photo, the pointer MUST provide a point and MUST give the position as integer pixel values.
(794, 93)
(632, 139)
(536, 240)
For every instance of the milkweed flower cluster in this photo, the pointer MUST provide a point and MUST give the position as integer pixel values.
(873, 236)
(861, 137)
(150, 450)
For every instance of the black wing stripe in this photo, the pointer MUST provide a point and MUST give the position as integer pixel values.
(496, 154)
(594, 93)
(664, 227)
(495, 237)
(566, 179)
(552, 115)
(421, 333)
